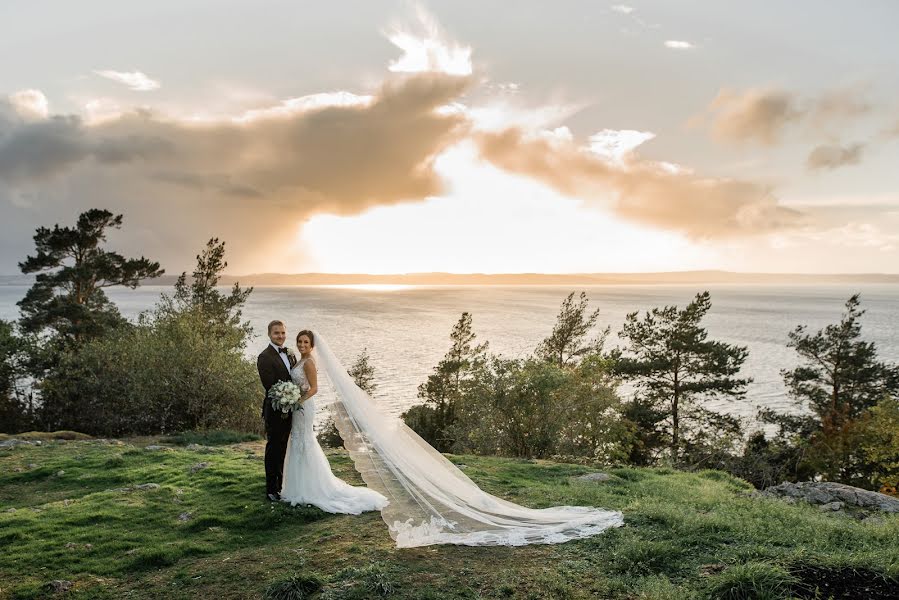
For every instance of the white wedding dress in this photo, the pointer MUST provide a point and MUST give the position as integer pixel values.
(307, 475)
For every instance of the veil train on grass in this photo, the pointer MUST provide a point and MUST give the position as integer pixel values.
(431, 500)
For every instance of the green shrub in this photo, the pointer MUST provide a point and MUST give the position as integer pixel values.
(295, 587)
(165, 374)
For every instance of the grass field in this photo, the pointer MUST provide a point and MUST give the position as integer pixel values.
(72, 510)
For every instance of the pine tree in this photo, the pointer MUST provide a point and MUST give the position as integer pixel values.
(72, 271)
(673, 364)
(443, 388)
(566, 343)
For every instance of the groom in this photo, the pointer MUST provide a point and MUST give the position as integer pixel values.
(274, 364)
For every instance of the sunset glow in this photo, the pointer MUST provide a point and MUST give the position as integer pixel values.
(489, 222)
(422, 138)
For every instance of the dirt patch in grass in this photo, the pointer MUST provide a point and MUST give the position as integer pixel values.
(841, 583)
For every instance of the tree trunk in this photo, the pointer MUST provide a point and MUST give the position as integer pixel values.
(675, 422)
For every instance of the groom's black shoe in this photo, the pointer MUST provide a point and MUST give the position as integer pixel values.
(274, 497)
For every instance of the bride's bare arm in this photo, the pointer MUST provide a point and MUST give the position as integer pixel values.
(311, 378)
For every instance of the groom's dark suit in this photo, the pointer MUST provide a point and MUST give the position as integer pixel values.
(277, 429)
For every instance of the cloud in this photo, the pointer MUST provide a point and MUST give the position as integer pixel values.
(756, 114)
(30, 104)
(839, 104)
(832, 156)
(352, 154)
(429, 50)
(617, 145)
(643, 191)
(623, 9)
(764, 114)
(678, 44)
(134, 80)
(236, 176)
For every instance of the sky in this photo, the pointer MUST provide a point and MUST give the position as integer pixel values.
(458, 136)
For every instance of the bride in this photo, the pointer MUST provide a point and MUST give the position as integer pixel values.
(307, 475)
(424, 498)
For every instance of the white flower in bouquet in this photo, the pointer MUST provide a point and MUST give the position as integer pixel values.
(285, 397)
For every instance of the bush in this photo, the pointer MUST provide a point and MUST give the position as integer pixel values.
(880, 444)
(296, 587)
(162, 375)
(534, 408)
(16, 408)
(328, 436)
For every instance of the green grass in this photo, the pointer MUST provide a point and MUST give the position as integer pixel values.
(209, 533)
(215, 437)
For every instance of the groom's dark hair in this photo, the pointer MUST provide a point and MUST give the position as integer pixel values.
(273, 323)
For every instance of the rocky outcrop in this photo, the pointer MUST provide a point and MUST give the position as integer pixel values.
(833, 496)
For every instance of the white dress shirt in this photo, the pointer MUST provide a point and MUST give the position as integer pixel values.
(283, 355)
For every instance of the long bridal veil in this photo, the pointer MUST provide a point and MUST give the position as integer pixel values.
(431, 500)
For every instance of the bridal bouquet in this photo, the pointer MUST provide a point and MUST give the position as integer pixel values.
(285, 397)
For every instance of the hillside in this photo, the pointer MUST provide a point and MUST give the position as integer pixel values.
(112, 519)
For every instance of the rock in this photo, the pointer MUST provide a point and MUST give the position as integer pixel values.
(833, 506)
(711, 569)
(31, 466)
(11, 510)
(142, 486)
(185, 516)
(17, 469)
(155, 448)
(60, 473)
(595, 477)
(13, 442)
(71, 545)
(38, 443)
(828, 493)
(197, 447)
(58, 586)
(199, 467)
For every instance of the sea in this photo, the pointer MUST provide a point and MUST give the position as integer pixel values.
(405, 329)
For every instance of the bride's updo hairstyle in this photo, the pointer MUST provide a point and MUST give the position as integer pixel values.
(309, 335)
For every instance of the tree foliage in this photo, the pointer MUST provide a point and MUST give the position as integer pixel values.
(72, 270)
(363, 373)
(200, 293)
(534, 408)
(181, 367)
(568, 341)
(841, 376)
(17, 410)
(674, 365)
(839, 383)
(881, 445)
(162, 376)
(444, 387)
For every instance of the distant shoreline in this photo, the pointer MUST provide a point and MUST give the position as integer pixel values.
(415, 279)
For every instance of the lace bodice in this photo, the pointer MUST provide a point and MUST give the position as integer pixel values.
(298, 374)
